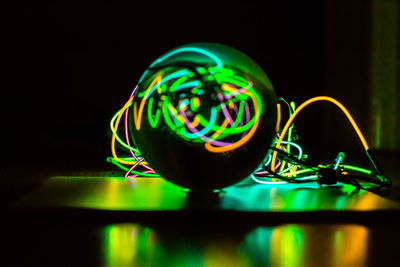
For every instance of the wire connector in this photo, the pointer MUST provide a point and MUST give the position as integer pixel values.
(328, 176)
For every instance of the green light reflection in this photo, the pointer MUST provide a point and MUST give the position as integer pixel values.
(282, 245)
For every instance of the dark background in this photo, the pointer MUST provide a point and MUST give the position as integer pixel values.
(70, 65)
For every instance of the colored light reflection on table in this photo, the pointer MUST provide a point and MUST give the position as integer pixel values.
(284, 245)
(302, 197)
(107, 193)
(150, 194)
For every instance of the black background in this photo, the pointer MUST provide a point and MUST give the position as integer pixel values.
(70, 66)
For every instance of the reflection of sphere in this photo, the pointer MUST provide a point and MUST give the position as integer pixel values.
(204, 116)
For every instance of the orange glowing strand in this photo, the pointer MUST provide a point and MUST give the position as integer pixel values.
(306, 103)
(242, 141)
(223, 127)
(196, 122)
(138, 117)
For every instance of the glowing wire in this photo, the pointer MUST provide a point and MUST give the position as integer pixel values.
(306, 103)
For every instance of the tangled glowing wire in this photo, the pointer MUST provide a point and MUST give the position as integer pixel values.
(235, 114)
(175, 94)
(276, 169)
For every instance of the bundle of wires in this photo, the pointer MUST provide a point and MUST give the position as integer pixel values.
(283, 166)
(285, 163)
(133, 164)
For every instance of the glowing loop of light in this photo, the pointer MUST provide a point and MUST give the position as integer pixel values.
(239, 107)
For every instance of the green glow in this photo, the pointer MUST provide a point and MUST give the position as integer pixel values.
(298, 172)
(166, 116)
(153, 123)
(171, 76)
(122, 167)
(358, 169)
(181, 81)
(206, 129)
(293, 105)
(188, 85)
(193, 105)
(190, 49)
(112, 122)
(201, 70)
(287, 246)
(178, 82)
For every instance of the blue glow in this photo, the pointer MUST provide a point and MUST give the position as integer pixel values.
(165, 79)
(187, 85)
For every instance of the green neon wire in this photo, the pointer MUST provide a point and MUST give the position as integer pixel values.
(122, 167)
(222, 71)
(291, 166)
(240, 114)
(114, 162)
(112, 122)
(354, 168)
(174, 75)
(234, 100)
(153, 123)
(297, 172)
(222, 79)
(229, 131)
(178, 123)
(201, 70)
(292, 104)
(192, 105)
(178, 82)
(167, 119)
(205, 130)
(244, 127)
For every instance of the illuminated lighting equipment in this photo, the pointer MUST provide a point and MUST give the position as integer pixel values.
(204, 117)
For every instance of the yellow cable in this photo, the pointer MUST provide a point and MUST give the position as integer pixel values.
(113, 136)
(306, 103)
(279, 116)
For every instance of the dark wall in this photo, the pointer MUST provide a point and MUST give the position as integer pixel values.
(70, 66)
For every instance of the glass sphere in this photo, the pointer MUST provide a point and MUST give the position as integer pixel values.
(204, 116)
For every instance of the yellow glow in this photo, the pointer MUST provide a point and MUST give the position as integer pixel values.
(287, 246)
(350, 247)
(175, 112)
(278, 119)
(221, 128)
(293, 171)
(306, 103)
(196, 102)
(138, 117)
(113, 136)
(195, 122)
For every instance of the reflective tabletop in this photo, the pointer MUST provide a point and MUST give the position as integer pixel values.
(111, 221)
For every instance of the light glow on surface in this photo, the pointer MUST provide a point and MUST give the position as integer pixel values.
(283, 245)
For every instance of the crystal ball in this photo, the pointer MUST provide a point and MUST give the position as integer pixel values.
(204, 116)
